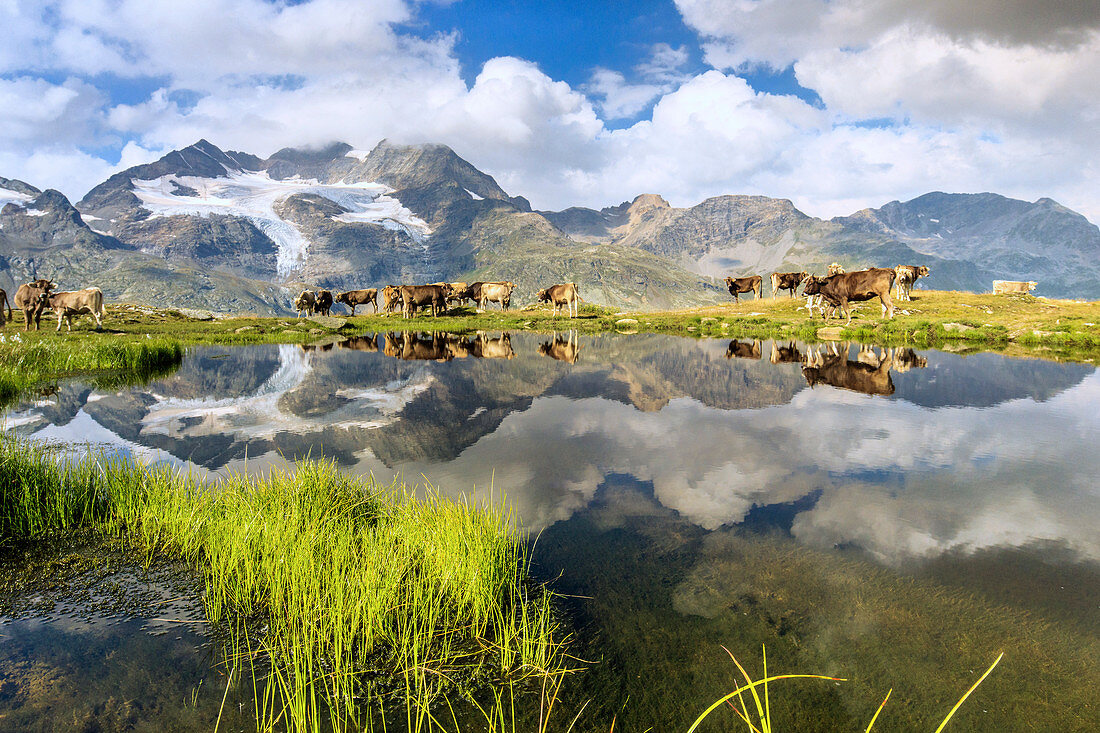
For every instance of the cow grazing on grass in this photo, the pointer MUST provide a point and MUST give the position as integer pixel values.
(69, 303)
(839, 291)
(306, 302)
(743, 349)
(564, 294)
(1008, 287)
(787, 281)
(750, 284)
(4, 302)
(417, 296)
(391, 298)
(491, 292)
(562, 348)
(906, 276)
(353, 298)
(816, 301)
(31, 299)
(324, 302)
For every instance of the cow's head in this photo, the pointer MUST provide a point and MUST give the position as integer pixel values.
(923, 271)
(544, 294)
(802, 276)
(1031, 285)
(813, 285)
(341, 297)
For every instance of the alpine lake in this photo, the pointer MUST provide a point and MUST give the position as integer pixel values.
(890, 517)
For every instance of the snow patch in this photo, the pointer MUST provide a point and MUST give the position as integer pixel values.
(473, 195)
(7, 196)
(34, 212)
(361, 155)
(934, 221)
(253, 195)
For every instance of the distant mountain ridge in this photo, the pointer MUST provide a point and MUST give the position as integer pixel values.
(229, 231)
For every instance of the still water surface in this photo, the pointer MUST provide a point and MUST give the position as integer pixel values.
(892, 517)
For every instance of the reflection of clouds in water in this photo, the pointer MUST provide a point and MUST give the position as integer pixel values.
(84, 432)
(953, 477)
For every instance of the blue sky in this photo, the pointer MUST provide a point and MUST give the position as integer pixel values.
(835, 104)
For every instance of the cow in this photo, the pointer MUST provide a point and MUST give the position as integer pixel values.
(458, 293)
(906, 276)
(816, 301)
(31, 299)
(69, 303)
(1009, 287)
(839, 291)
(391, 296)
(360, 343)
(484, 347)
(787, 281)
(562, 348)
(566, 294)
(324, 302)
(743, 349)
(306, 302)
(838, 371)
(788, 354)
(492, 292)
(4, 302)
(353, 298)
(416, 296)
(750, 284)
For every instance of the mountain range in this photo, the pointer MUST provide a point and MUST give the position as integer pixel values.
(231, 232)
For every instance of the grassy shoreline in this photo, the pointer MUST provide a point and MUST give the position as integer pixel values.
(363, 592)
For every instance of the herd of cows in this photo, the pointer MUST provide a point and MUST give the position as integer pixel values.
(868, 373)
(436, 297)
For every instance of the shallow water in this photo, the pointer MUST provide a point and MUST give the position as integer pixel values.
(893, 517)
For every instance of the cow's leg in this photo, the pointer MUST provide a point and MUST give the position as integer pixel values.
(887, 305)
(98, 321)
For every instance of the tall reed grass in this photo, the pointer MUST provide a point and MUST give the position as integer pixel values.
(360, 592)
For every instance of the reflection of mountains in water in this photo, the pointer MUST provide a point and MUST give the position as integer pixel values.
(407, 397)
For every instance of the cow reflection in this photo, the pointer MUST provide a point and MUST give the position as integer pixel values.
(905, 359)
(788, 354)
(316, 347)
(484, 347)
(360, 343)
(743, 349)
(869, 373)
(445, 347)
(562, 348)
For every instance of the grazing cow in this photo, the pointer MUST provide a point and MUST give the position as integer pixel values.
(839, 291)
(566, 294)
(816, 301)
(31, 299)
(416, 296)
(838, 371)
(4, 301)
(458, 292)
(907, 275)
(306, 302)
(391, 296)
(788, 354)
(324, 302)
(353, 298)
(71, 303)
(750, 284)
(743, 349)
(492, 292)
(787, 281)
(360, 343)
(1008, 287)
(562, 348)
(484, 347)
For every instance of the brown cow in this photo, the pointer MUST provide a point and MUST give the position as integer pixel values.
(360, 343)
(306, 302)
(71, 303)
(838, 371)
(743, 349)
(906, 276)
(839, 291)
(1006, 287)
(31, 299)
(750, 284)
(492, 292)
(391, 296)
(787, 281)
(324, 302)
(353, 298)
(816, 301)
(566, 294)
(562, 348)
(4, 301)
(458, 292)
(415, 296)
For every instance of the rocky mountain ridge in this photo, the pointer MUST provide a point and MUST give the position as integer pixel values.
(229, 231)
